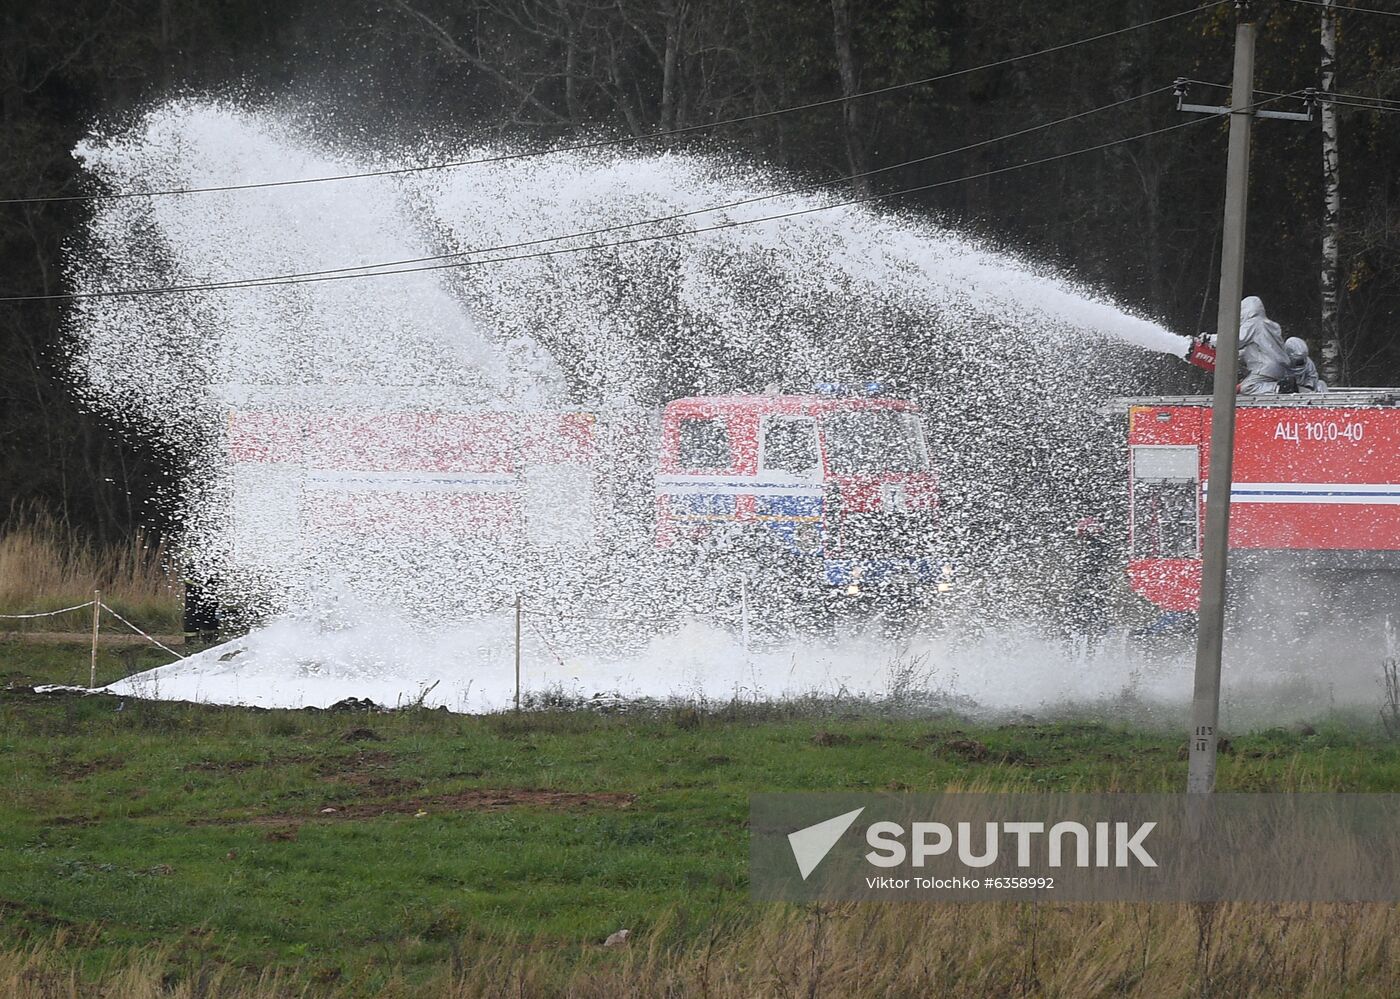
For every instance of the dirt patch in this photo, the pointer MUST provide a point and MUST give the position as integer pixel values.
(243, 766)
(325, 766)
(475, 800)
(968, 750)
(347, 768)
(1064, 730)
(355, 704)
(224, 766)
(377, 785)
(71, 770)
(362, 735)
(40, 916)
(366, 769)
(830, 739)
(965, 749)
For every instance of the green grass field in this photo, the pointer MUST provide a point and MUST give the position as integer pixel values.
(208, 833)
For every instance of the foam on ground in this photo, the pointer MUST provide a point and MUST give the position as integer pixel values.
(470, 668)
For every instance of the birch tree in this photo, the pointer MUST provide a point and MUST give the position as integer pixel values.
(1332, 202)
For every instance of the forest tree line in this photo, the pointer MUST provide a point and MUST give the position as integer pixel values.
(1140, 219)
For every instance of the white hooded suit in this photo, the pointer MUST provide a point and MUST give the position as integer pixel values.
(1262, 353)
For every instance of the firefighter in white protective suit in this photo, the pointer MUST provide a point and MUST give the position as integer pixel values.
(1264, 359)
(1302, 372)
(1262, 353)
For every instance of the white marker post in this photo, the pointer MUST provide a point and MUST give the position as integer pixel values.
(519, 612)
(96, 623)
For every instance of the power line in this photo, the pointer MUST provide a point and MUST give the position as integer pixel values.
(622, 140)
(1367, 107)
(1339, 8)
(364, 272)
(1359, 97)
(360, 268)
(1381, 103)
(1326, 96)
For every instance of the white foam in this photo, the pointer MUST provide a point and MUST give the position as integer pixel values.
(1010, 361)
(295, 663)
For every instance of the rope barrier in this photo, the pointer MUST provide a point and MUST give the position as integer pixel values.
(617, 620)
(154, 641)
(547, 644)
(55, 613)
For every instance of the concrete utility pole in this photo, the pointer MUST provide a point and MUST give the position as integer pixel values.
(1205, 703)
(1332, 202)
(1210, 631)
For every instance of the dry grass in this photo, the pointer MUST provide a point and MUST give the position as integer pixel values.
(45, 565)
(976, 950)
(41, 972)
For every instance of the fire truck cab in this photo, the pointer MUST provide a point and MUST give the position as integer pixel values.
(1316, 490)
(838, 481)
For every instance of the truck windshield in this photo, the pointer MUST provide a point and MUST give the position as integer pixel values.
(873, 440)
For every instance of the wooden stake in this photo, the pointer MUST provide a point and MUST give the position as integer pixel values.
(744, 613)
(96, 620)
(518, 612)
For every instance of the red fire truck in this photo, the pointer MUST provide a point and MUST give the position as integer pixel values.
(1315, 496)
(838, 483)
(467, 474)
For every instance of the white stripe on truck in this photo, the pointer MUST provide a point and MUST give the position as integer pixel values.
(733, 485)
(414, 482)
(1327, 493)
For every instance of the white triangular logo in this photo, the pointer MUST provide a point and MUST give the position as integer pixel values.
(811, 845)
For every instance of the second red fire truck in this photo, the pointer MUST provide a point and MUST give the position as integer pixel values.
(838, 482)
